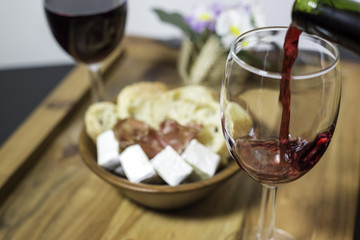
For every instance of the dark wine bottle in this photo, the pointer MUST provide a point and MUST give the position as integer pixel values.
(335, 20)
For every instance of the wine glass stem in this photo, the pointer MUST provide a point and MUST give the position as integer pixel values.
(97, 85)
(266, 222)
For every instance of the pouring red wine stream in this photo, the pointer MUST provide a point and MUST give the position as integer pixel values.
(290, 50)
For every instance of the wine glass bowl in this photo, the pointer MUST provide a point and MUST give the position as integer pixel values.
(88, 30)
(252, 112)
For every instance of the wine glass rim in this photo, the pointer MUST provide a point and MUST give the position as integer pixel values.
(278, 75)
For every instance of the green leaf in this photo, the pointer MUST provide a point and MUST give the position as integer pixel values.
(174, 19)
(177, 20)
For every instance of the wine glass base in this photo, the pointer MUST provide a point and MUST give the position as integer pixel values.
(252, 234)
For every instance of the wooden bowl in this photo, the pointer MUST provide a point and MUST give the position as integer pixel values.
(150, 195)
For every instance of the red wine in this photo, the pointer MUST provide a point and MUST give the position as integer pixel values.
(88, 34)
(284, 159)
(290, 50)
(261, 159)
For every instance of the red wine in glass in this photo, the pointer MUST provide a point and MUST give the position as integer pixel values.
(89, 30)
(284, 159)
(300, 155)
(88, 35)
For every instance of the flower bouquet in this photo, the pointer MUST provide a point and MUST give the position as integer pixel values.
(208, 34)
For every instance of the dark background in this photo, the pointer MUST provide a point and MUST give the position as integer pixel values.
(21, 90)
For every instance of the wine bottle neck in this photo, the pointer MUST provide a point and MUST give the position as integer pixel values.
(308, 6)
(335, 20)
(313, 6)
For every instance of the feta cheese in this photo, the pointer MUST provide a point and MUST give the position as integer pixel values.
(204, 161)
(170, 166)
(107, 150)
(136, 164)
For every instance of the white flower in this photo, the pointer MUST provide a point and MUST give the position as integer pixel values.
(232, 23)
(258, 15)
(257, 12)
(202, 18)
(204, 13)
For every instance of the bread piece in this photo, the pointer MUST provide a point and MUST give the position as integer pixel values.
(197, 104)
(184, 104)
(238, 122)
(195, 93)
(100, 117)
(133, 99)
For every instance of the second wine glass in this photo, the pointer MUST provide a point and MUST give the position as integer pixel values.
(88, 30)
(252, 114)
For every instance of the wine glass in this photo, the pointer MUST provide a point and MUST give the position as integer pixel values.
(88, 30)
(252, 114)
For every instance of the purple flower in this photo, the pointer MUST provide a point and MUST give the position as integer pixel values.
(204, 17)
(217, 8)
(197, 25)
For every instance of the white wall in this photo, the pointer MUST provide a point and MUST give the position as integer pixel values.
(25, 39)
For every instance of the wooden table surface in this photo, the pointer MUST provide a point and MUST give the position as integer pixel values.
(46, 191)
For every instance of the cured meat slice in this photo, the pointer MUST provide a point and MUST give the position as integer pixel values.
(131, 131)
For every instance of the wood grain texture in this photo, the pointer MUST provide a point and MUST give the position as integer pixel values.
(59, 198)
(42, 125)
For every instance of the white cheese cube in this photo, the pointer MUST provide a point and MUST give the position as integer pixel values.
(203, 160)
(136, 164)
(107, 150)
(170, 166)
